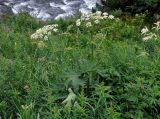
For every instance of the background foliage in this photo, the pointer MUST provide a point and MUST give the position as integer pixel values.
(150, 7)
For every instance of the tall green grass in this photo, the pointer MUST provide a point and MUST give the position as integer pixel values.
(114, 74)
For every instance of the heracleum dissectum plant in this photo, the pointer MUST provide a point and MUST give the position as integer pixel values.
(91, 22)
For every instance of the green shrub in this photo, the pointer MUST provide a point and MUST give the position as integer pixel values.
(151, 7)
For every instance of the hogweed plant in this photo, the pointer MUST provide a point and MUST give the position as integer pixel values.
(43, 34)
(151, 38)
(92, 21)
(147, 35)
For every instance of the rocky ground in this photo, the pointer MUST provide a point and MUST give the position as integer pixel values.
(4, 9)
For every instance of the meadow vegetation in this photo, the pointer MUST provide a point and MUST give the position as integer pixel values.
(94, 66)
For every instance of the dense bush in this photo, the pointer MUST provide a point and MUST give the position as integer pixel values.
(134, 6)
(110, 68)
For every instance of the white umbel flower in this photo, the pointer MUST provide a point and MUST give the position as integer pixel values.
(150, 36)
(157, 27)
(93, 18)
(98, 13)
(105, 14)
(146, 38)
(44, 32)
(46, 38)
(111, 17)
(144, 30)
(89, 24)
(97, 21)
(55, 29)
(49, 33)
(78, 22)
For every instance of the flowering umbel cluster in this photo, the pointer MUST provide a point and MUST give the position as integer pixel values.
(45, 32)
(148, 35)
(157, 25)
(93, 18)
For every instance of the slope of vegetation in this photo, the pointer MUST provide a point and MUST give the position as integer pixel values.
(90, 68)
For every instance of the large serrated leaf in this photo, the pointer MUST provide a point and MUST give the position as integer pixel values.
(74, 81)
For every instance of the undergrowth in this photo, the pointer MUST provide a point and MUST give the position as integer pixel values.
(108, 68)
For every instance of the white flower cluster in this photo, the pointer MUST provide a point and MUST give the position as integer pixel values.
(144, 31)
(45, 32)
(147, 35)
(93, 18)
(157, 27)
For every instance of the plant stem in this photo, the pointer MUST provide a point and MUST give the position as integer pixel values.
(92, 46)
